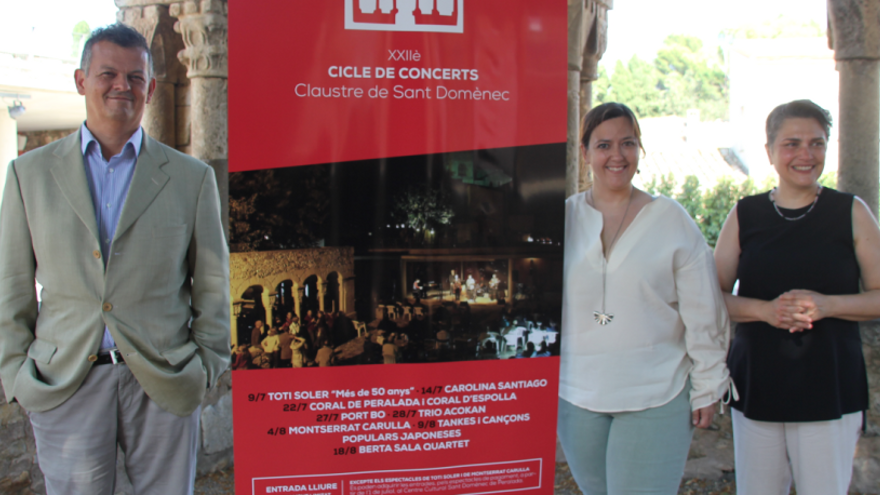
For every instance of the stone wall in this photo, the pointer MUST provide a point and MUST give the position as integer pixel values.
(267, 269)
(19, 472)
(866, 468)
(295, 265)
(35, 139)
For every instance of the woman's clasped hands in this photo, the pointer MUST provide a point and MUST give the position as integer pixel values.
(796, 310)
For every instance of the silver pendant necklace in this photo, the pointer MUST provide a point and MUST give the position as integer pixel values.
(603, 317)
(792, 219)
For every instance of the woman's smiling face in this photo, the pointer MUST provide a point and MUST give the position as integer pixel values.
(613, 153)
(798, 153)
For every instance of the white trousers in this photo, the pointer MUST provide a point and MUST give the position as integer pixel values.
(76, 441)
(817, 454)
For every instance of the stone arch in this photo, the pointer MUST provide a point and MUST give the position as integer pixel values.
(239, 287)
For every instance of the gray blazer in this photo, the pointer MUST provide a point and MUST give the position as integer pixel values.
(164, 295)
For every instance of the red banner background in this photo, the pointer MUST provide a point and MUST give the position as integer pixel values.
(513, 51)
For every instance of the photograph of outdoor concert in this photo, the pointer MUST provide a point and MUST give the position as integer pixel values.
(432, 258)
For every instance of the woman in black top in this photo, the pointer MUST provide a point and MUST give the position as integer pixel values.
(799, 252)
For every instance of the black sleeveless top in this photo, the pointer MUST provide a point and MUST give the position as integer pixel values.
(817, 374)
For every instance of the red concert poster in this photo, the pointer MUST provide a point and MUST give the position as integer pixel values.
(396, 203)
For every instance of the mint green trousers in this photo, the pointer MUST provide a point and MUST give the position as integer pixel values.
(627, 453)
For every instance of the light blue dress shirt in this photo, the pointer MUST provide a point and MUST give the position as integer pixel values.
(109, 182)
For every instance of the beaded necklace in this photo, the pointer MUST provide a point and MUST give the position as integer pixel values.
(792, 219)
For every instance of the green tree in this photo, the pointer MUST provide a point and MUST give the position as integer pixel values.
(277, 208)
(80, 32)
(691, 79)
(637, 85)
(717, 203)
(422, 209)
(602, 87)
(681, 77)
(709, 208)
(665, 186)
(829, 180)
(691, 198)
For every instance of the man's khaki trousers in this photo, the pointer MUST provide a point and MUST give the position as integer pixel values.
(76, 441)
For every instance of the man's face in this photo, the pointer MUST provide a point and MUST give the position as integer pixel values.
(117, 86)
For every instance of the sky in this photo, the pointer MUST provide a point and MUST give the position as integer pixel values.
(638, 27)
(44, 27)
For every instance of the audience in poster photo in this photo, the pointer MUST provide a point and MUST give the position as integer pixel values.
(409, 332)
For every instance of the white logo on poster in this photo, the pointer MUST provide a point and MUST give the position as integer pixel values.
(433, 16)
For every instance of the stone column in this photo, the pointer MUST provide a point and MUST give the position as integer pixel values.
(297, 300)
(8, 141)
(157, 26)
(267, 305)
(576, 35)
(203, 26)
(233, 324)
(341, 292)
(594, 47)
(854, 34)
(587, 35)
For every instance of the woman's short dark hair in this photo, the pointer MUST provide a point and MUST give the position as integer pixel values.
(797, 109)
(118, 34)
(608, 111)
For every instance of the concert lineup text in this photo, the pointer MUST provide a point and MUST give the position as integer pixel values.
(433, 416)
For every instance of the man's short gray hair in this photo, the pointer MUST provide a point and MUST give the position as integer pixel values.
(118, 34)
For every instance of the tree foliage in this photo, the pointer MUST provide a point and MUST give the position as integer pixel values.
(277, 208)
(681, 77)
(81, 32)
(422, 209)
(709, 207)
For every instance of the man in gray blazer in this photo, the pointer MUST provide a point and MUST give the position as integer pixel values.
(124, 236)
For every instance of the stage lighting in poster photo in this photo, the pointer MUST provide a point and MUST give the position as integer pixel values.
(396, 193)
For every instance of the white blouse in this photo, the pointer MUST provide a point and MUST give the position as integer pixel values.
(670, 322)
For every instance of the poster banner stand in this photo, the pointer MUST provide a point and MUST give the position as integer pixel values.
(396, 188)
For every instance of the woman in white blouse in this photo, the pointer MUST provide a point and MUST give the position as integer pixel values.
(646, 330)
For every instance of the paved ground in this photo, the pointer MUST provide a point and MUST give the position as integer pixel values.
(565, 485)
(219, 483)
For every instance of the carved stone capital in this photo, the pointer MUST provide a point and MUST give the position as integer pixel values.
(157, 26)
(596, 43)
(587, 35)
(142, 3)
(203, 26)
(854, 29)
